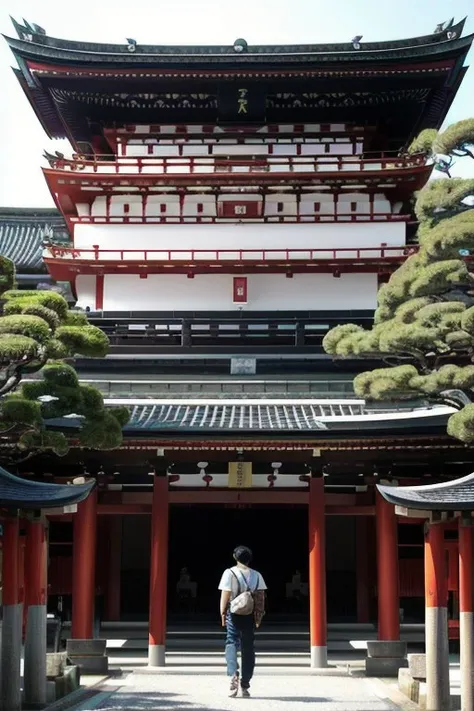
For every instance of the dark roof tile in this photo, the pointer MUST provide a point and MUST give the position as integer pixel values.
(457, 495)
(19, 493)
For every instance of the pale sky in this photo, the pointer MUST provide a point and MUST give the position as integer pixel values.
(195, 22)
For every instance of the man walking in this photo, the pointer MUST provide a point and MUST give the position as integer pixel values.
(242, 607)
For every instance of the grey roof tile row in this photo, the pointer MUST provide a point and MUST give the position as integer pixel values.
(236, 417)
(22, 234)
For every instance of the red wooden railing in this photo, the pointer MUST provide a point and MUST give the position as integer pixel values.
(218, 164)
(220, 255)
(211, 219)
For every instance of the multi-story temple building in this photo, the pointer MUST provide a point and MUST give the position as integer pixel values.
(225, 207)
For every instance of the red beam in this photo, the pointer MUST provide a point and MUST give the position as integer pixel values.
(146, 71)
(64, 270)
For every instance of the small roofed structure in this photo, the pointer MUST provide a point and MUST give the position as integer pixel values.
(457, 495)
(432, 499)
(19, 493)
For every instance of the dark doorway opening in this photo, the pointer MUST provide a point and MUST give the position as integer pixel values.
(201, 541)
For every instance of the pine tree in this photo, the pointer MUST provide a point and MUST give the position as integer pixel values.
(38, 332)
(424, 322)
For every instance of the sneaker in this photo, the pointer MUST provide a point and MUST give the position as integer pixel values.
(234, 686)
(245, 693)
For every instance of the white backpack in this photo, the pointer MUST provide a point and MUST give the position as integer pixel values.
(243, 603)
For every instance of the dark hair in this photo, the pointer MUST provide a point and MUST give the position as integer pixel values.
(243, 555)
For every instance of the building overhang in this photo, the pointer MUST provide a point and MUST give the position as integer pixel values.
(18, 493)
(457, 495)
(68, 263)
(61, 78)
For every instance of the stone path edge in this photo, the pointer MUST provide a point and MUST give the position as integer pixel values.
(392, 695)
(73, 701)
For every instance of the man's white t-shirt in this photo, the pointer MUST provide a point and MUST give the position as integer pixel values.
(248, 577)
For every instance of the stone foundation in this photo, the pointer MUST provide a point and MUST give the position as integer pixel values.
(89, 655)
(385, 658)
(62, 678)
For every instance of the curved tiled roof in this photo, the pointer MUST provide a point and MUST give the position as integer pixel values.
(36, 44)
(25, 494)
(276, 417)
(21, 235)
(457, 495)
(48, 69)
(211, 417)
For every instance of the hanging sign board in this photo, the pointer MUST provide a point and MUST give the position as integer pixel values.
(240, 475)
(242, 103)
(240, 290)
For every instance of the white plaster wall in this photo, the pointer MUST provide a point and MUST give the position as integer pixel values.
(166, 292)
(290, 205)
(154, 203)
(238, 236)
(326, 200)
(85, 288)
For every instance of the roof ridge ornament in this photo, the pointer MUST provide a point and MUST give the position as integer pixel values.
(27, 31)
(443, 26)
(240, 45)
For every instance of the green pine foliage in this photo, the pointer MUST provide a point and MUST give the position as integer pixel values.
(425, 314)
(37, 332)
(7, 275)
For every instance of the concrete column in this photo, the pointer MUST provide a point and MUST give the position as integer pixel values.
(35, 600)
(362, 572)
(387, 571)
(12, 618)
(436, 620)
(83, 572)
(317, 574)
(113, 585)
(466, 616)
(158, 572)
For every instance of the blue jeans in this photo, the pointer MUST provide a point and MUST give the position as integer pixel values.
(240, 636)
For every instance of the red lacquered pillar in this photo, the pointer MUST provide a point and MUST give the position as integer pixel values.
(387, 571)
(83, 572)
(436, 620)
(35, 601)
(158, 572)
(317, 573)
(12, 617)
(466, 610)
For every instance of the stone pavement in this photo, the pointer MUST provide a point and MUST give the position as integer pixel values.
(201, 690)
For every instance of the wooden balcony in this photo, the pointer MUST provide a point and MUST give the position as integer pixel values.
(225, 165)
(65, 263)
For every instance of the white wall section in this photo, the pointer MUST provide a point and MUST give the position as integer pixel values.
(85, 289)
(238, 236)
(214, 292)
